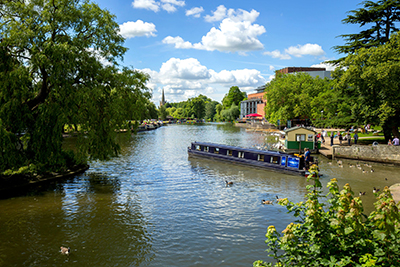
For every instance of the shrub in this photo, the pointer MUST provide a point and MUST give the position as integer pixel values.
(337, 233)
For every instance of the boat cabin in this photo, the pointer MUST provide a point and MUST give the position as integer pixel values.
(298, 138)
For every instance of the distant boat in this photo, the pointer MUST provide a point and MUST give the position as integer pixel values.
(265, 159)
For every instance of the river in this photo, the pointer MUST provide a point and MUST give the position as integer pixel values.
(154, 206)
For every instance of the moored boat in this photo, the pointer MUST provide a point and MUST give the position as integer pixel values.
(265, 159)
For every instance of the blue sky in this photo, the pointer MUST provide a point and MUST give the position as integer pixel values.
(205, 47)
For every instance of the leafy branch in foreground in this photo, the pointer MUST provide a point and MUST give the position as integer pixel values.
(338, 233)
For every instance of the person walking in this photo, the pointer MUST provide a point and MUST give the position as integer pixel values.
(340, 138)
(349, 138)
(355, 136)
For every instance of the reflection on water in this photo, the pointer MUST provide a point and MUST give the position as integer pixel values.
(154, 206)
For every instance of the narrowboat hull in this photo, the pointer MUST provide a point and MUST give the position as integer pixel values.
(263, 159)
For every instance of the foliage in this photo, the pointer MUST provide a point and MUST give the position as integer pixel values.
(370, 84)
(299, 96)
(234, 96)
(210, 110)
(337, 233)
(195, 107)
(232, 113)
(59, 67)
(380, 15)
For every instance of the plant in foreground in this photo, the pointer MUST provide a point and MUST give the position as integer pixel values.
(336, 232)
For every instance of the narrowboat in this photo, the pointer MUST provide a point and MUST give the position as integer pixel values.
(265, 159)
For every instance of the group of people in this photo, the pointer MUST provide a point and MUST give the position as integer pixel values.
(339, 135)
(395, 141)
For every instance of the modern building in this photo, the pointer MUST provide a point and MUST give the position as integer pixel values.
(255, 103)
(313, 72)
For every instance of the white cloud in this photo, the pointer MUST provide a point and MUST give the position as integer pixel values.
(297, 51)
(183, 78)
(167, 5)
(146, 4)
(236, 15)
(132, 29)
(178, 42)
(195, 12)
(237, 33)
(307, 49)
(277, 54)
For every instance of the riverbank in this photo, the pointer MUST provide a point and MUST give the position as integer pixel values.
(19, 183)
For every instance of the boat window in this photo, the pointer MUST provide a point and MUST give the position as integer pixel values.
(206, 148)
(229, 152)
(216, 150)
(240, 154)
(260, 157)
(300, 137)
(198, 147)
(275, 159)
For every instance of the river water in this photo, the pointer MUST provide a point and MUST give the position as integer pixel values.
(154, 206)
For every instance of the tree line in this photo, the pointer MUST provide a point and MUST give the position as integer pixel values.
(202, 107)
(364, 86)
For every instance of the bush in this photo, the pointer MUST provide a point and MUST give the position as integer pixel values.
(337, 234)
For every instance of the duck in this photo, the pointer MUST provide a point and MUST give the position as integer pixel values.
(266, 201)
(372, 170)
(339, 162)
(362, 193)
(65, 250)
(375, 190)
(340, 166)
(278, 199)
(364, 171)
(228, 183)
(351, 166)
(330, 163)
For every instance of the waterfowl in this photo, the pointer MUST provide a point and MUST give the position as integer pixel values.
(375, 190)
(330, 163)
(266, 201)
(340, 166)
(339, 162)
(351, 166)
(65, 250)
(362, 193)
(359, 167)
(364, 171)
(278, 199)
(372, 170)
(228, 183)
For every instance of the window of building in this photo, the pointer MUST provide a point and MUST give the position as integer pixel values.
(300, 137)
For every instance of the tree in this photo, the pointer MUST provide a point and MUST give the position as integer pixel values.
(338, 234)
(210, 110)
(218, 110)
(162, 113)
(60, 68)
(234, 96)
(297, 95)
(381, 15)
(371, 83)
(232, 113)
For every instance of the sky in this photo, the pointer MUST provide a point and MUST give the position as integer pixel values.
(205, 47)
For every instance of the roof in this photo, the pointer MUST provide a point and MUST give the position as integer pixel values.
(298, 127)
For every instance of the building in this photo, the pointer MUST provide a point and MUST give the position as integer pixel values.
(313, 72)
(255, 103)
(298, 138)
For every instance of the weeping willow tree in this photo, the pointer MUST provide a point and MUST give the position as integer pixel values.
(59, 67)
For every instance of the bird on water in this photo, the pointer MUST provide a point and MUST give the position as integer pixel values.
(228, 183)
(65, 250)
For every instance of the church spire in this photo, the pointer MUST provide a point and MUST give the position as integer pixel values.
(162, 102)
